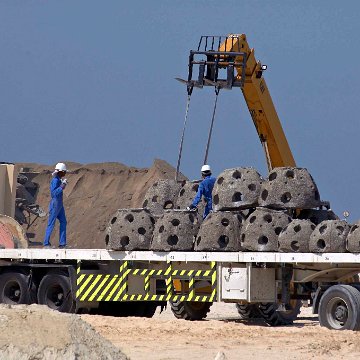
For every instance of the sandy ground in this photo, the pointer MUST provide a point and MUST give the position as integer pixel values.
(165, 338)
(34, 332)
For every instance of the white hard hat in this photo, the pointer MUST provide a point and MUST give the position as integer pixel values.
(205, 168)
(60, 167)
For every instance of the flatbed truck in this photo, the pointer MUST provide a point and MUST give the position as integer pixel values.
(135, 283)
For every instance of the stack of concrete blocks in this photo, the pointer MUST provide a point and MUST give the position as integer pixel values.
(186, 196)
(130, 229)
(235, 191)
(175, 230)
(162, 195)
(220, 232)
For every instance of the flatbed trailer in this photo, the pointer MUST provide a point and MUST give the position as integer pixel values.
(136, 282)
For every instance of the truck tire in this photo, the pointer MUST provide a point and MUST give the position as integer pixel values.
(55, 292)
(14, 289)
(272, 317)
(190, 310)
(248, 311)
(339, 308)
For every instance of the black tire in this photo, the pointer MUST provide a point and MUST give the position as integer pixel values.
(248, 311)
(339, 308)
(55, 292)
(189, 310)
(272, 317)
(15, 289)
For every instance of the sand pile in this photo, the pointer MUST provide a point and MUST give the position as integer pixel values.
(36, 332)
(94, 193)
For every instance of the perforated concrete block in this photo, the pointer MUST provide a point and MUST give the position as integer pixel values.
(130, 229)
(186, 196)
(161, 195)
(317, 216)
(296, 236)
(220, 231)
(329, 236)
(262, 228)
(289, 187)
(175, 230)
(237, 188)
(353, 238)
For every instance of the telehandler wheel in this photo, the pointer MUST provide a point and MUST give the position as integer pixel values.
(248, 311)
(14, 289)
(55, 292)
(339, 308)
(190, 310)
(279, 318)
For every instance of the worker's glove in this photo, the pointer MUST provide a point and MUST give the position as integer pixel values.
(191, 208)
(64, 182)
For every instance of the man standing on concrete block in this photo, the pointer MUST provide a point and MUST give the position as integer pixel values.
(205, 189)
(56, 207)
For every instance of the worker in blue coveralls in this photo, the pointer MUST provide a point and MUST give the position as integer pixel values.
(56, 207)
(205, 189)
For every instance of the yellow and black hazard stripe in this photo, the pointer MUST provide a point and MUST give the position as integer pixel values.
(114, 287)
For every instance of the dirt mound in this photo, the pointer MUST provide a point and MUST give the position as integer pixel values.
(93, 194)
(37, 332)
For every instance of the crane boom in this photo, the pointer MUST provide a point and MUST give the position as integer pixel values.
(233, 55)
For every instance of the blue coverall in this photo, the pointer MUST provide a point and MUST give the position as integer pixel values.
(205, 189)
(56, 211)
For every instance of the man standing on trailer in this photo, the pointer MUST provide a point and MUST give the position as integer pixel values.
(56, 207)
(205, 189)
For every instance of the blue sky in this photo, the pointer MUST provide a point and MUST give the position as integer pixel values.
(93, 81)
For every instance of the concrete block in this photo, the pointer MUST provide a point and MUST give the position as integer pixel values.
(329, 236)
(130, 229)
(262, 228)
(289, 188)
(220, 231)
(237, 188)
(353, 238)
(186, 196)
(296, 236)
(161, 195)
(317, 216)
(175, 230)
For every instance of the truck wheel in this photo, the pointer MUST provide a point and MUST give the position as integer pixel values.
(55, 292)
(279, 318)
(190, 310)
(248, 311)
(339, 308)
(14, 289)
